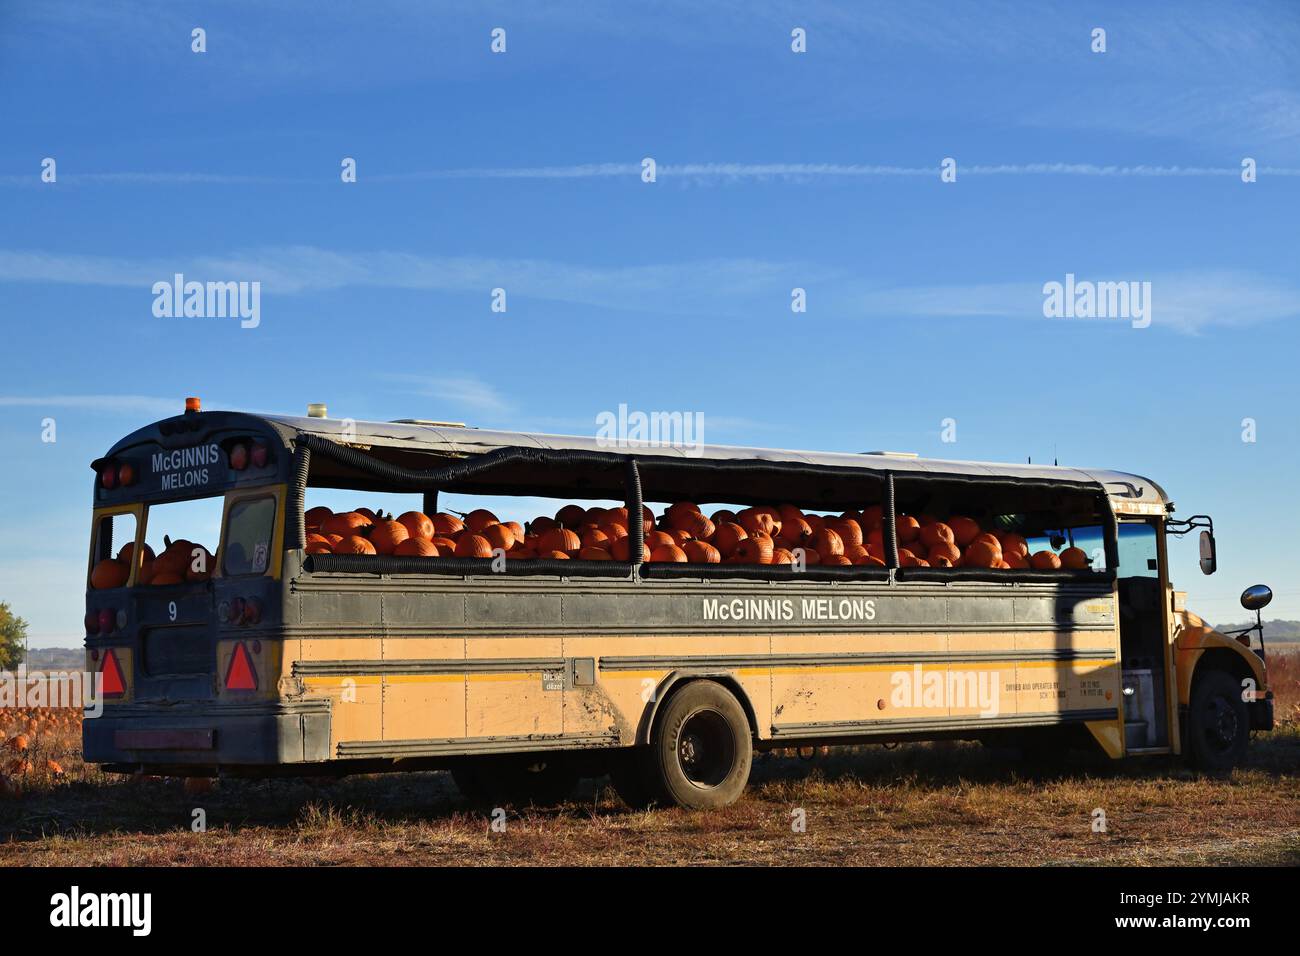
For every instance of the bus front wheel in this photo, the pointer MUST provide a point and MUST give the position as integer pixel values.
(701, 748)
(1218, 725)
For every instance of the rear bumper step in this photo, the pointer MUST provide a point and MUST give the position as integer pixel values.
(276, 732)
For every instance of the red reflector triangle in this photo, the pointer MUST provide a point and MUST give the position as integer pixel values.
(240, 675)
(111, 671)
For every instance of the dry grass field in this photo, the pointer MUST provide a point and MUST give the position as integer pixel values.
(922, 804)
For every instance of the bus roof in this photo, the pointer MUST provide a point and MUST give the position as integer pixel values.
(1129, 493)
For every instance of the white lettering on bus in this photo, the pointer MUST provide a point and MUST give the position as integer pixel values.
(183, 467)
(783, 609)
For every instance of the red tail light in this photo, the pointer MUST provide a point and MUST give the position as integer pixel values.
(111, 671)
(252, 611)
(239, 457)
(240, 675)
(108, 477)
(126, 474)
(107, 618)
(260, 455)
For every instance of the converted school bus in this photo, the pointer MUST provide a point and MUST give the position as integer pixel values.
(523, 675)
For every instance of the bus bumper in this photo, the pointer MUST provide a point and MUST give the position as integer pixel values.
(209, 734)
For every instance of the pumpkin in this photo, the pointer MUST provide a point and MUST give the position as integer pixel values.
(595, 538)
(906, 559)
(594, 554)
(856, 553)
(145, 575)
(795, 531)
(981, 554)
(348, 523)
(447, 526)
(873, 561)
(757, 549)
(444, 545)
(128, 552)
(555, 555)
(693, 524)
(319, 548)
(1074, 558)
(944, 552)
(723, 515)
(1015, 560)
(964, 530)
(354, 544)
(417, 525)
(782, 556)
(313, 518)
(560, 539)
(315, 538)
(907, 529)
(386, 535)
(850, 531)
(935, 534)
(701, 552)
(499, 536)
(570, 516)
(109, 573)
(754, 520)
(728, 537)
(480, 518)
(165, 578)
(515, 528)
(1012, 542)
(827, 542)
(473, 546)
(367, 513)
(654, 539)
(669, 553)
(613, 531)
(836, 560)
(811, 556)
(542, 524)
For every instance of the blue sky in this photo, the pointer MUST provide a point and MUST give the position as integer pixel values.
(776, 170)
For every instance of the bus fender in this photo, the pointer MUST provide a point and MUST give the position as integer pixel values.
(679, 678)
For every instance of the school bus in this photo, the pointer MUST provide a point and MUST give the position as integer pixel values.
(522, 676)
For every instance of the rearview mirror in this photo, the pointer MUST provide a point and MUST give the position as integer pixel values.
(1209, 554)
(1256, 597)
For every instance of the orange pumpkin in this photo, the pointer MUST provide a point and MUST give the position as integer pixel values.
(754, 520)
(128, 551)
(560, 539)
(570, 516)
(593, 553)
(417, 525)
(109, 573)
(386, 535)
(367, 513)
(621, 549)
(782, 556)
(701, 552)
(165, 578)
(873, 516)
(935, 534)
(850, 532)
(757, 549)
(981, 554)
(836, 560)
(795, 531)
(1074, 558)
(723, 515)
(319, 548)
(473, 546)
(348, 523)
(480, 518)
(444, 545)
(313, 518)
(554, 555)
(964, 530)
(1015, 560)
(827, 542)
(941, 553)
(728, 537)
(693, 524)
(416, 548)
(447, 526)
(907, 529)
(669, 553)
(499, 536)
(354, 544)
(1012, 542)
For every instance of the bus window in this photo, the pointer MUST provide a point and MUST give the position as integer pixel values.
(110, 563)
(1089, 539)
(1138, 553)
(182, 535)
(248, 537)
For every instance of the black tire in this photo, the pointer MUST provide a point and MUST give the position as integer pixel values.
(701, 747)
(632, 777)
(515, 779)
(1218, 724)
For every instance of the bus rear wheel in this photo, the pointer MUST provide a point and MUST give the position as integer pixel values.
(518, 779)
(701, 748)
(1218, 725)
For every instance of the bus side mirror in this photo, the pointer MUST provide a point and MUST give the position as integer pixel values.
(1209, 555)
(1256, 597)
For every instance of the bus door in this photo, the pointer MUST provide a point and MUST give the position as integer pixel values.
(1143, 635)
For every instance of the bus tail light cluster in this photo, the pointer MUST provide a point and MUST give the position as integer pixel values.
(117, 474)
(104, 621)
(249, 452)
(242, 611)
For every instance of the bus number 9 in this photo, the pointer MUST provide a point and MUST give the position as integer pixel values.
(171, 609)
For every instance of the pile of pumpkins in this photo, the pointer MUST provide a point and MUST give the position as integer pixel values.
(181, 561)
(683, 533)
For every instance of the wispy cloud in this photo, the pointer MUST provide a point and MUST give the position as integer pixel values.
(96, 403)
(463, 392)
